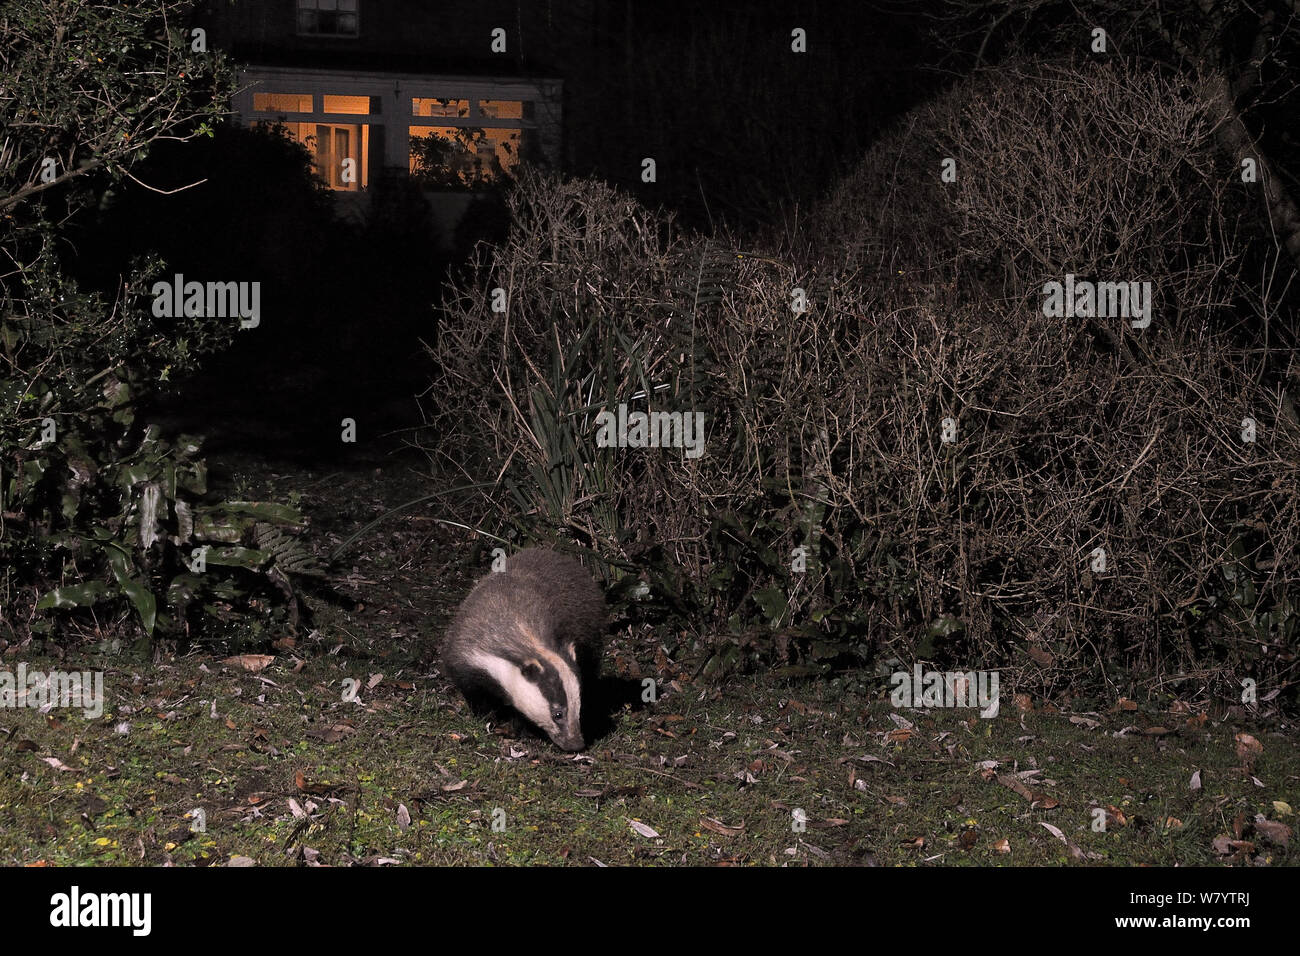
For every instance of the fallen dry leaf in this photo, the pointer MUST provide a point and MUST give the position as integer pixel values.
(1224, 844)
(1002, 846)
(1041, 656)
(1013, 783)
(1037, 799)
(1055, 831)
(333, 734)
(870, 759)
(1248, 748)
(717, 826)
(641, 828)
(1075, 850)
(250, 662)
(1272, 831)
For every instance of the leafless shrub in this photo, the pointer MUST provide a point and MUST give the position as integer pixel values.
(1073, 438)
(1093, 169)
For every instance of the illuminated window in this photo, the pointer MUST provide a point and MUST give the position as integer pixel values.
(433, 106)
(341, 153)
(328, 17)
(506, 109)
(348, 104)
(282, 102)
(461, 156)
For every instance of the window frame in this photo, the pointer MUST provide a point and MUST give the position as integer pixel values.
(299, 31)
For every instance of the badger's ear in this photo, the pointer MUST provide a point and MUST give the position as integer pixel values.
(571, 648)
(531, 669)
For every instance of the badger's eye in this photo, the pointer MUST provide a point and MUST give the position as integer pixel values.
(558, 714)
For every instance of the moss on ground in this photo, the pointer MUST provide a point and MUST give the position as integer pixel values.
(284, 771)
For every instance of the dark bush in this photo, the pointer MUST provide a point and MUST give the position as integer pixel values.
(825, 427)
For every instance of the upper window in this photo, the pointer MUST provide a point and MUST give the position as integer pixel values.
(507, 109)
(282, 102)
(328, 17)
(434, 106)
(350, 104)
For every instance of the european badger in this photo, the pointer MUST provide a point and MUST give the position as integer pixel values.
(530, 637)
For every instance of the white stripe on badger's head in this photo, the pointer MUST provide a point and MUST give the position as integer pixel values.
(523, 695)
(522, 686)
(571, 726)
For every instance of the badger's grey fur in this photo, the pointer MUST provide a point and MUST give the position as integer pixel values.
(530, 637)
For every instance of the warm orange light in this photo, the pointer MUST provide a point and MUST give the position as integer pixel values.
(434, 106)
(471, 155)
(502, 109)
(346, 104)
(282, 102)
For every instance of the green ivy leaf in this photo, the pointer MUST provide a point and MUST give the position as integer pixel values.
(249, 558)
(74, 595)
(265, 510)
(774, 602)
(146, 605)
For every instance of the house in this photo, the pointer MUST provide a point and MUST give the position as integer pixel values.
(451, 94)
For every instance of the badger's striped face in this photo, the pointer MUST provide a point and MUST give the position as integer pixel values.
(542, 685)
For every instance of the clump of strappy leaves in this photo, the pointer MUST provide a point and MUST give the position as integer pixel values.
(136, 525)
(96, 509)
